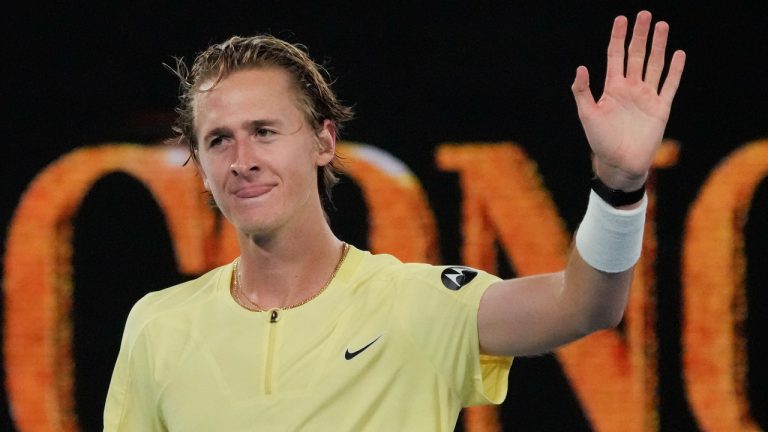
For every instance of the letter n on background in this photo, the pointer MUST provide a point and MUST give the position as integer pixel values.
(504, 199)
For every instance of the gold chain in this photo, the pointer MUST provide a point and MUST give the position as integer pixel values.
(235, 287)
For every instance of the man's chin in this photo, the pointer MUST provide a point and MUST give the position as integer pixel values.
(260, 228)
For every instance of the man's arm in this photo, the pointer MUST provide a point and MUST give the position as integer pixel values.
(624, 128)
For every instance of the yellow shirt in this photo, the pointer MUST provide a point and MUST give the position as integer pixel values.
(386, 347)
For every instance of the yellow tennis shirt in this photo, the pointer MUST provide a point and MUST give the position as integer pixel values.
(386, 347)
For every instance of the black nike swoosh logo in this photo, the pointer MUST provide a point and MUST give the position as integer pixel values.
(350, 355)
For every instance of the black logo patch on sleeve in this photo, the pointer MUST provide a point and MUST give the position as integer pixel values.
(456, 277)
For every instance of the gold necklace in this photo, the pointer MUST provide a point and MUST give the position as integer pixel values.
(235, 287)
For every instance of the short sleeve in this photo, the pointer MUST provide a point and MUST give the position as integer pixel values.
(439, 306)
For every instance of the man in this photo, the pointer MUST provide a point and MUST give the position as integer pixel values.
(304, 332)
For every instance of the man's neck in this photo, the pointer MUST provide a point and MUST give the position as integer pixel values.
(280, 271)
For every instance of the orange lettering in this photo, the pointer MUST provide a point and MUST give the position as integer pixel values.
(38, 271)
(714, 265)
(401, 222)
(613, 374)
(504, 197)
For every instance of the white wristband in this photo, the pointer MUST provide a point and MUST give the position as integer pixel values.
(610, 239)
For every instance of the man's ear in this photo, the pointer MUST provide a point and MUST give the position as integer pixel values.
(326, 141)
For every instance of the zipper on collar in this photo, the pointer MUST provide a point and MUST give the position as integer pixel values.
(273, 315)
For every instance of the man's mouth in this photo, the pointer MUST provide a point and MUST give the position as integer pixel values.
(253, 191)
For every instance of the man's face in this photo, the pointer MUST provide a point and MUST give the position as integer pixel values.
(257, 153)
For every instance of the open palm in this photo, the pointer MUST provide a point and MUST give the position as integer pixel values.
(625, 126)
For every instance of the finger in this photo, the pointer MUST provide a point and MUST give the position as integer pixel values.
(672, 82)
(656, 58)
(615, 64)
(581, 92)
(636, 50)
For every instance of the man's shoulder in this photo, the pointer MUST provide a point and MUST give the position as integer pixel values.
(377, 268)
(176, 299)
(451, 278)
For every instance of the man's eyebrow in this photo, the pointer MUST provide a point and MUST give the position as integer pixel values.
(216, 132)
(260, 123)
(251, 125)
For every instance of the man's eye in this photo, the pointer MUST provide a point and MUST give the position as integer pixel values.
(261, 132)
(215, 141)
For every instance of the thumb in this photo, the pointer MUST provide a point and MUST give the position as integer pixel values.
(581, 91)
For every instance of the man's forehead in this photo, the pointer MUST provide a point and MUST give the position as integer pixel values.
(245, 98)
(265, 88)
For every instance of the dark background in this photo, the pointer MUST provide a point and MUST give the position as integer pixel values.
(419, 74)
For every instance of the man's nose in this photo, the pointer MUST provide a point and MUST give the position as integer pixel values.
(246, 161)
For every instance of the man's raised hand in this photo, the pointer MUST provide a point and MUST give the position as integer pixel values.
(625, 126)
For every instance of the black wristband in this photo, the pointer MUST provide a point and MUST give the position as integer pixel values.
(614, 197)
